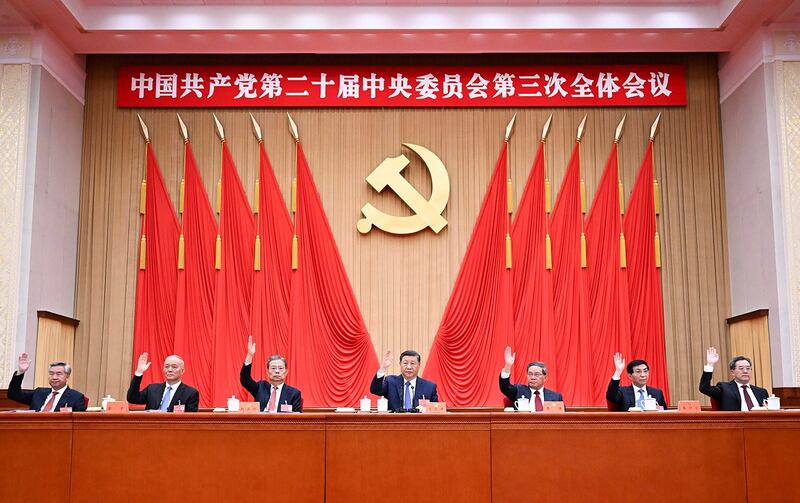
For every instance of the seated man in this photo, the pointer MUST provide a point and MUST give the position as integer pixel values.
(626, 397)
(50, 399)
(403, 391)
(274, 393)
(534, 391)
(163, 396)
(738, 393)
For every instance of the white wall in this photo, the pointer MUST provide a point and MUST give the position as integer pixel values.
(753, 195)
(52, 194)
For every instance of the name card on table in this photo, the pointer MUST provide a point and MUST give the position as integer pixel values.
(553, 407)
(115, 406)
(436, 408)
(249, 407)
(689, 406)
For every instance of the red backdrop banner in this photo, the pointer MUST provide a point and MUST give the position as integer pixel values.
(234, 285)
(156, 283)
(569, 289)
(272, 282)
(401, 86)
(331, 357)
(197, 283)
(644, 277)
(609, 320)
(534, 339)
(477, 324)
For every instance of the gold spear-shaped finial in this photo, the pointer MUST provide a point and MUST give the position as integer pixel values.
(256, 129)
(293, 128)
(546, 128)
(145, 132)
(510, 127)
(184, 131)
(654, 127)
(581, 126)
(220, 131)
(620, 127)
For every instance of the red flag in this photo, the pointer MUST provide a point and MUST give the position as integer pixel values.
(609, 319)
(332, 359)
(234, 284)
(156, 282)
(272, 278)
(569, 289)
(644, 280)
(533, 289)
(197, 283)
(467, 353)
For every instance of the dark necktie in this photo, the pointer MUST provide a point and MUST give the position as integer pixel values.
(537, 401)
(747, 399)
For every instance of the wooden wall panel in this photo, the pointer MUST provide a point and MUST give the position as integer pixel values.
(55, 341)
(402, 284)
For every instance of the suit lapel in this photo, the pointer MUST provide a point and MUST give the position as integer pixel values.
(62, 400)
(400, 392)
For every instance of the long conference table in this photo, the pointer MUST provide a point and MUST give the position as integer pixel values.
(366, 457)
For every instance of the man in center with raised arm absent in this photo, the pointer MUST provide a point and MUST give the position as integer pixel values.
(276, 393)
(534, 391)
(403, 391)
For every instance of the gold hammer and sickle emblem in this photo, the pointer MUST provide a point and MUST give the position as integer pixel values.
(428, 213)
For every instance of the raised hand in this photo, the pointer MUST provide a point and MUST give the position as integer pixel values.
(619, 365)
(251, 351)
(143, 364)
(24, 363)
(387, 361)
(509, 357)
(712, 357)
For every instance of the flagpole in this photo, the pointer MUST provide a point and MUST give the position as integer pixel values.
(295, 246)
(623, 255)
(582, 193)
(143, 196)
(257, 198)
(182, 196)
(218, 247)
(656, 194)
(509, 189)
(548, 250)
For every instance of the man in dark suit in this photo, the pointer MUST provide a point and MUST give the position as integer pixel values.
(163, 396)
(50, 399)
(275, 395)
(736, 394)
(403, 391)
(634, 395)
(534, 391)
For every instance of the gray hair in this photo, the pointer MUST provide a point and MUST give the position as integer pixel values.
(67, 367)
(732, 364)
(277, 357)
(538, 364)
(183, 363)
